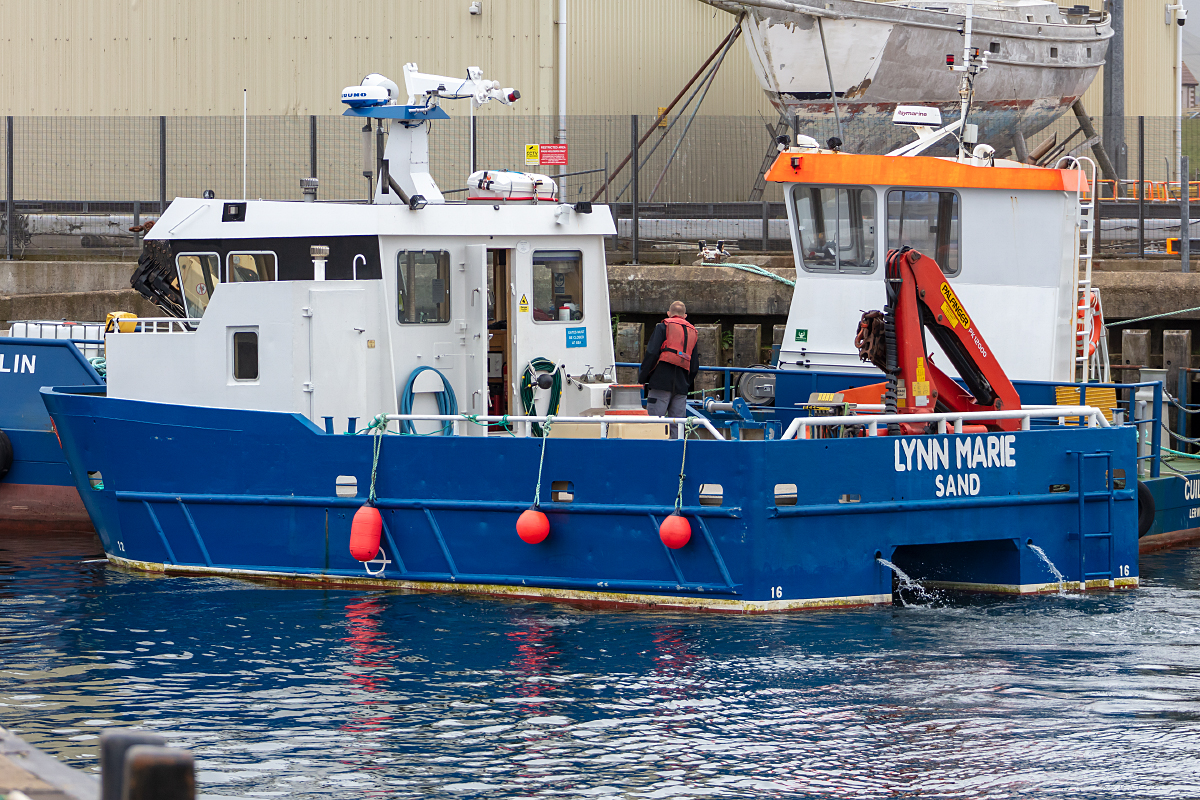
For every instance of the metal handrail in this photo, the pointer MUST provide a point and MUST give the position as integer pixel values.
(172, 324)
(800, 425)
(603, 420)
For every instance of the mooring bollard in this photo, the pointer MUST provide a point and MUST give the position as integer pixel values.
(159, 773)
(113, 745)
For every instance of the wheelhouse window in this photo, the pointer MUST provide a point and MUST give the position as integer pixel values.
(424, 286)
(927, 221)
(250, 267)
(245, 356)
(199, 275)
(836, 228)
(557, 285)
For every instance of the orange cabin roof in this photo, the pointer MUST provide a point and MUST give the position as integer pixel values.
(923, 171)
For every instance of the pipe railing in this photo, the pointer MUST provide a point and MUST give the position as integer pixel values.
(156, 325)
(947, 422)
(947, 419)
(524, 421)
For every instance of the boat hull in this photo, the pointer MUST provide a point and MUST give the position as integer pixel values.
(38, 494)
(251, 494)
(881, 56)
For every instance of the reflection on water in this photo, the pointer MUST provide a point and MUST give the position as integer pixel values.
(311, 693)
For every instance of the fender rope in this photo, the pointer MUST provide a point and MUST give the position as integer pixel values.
(687, 428)
(376, 428)
(537, 490)
(1152, 316)
(754, 269)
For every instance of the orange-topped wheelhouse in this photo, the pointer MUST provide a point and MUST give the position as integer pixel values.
(1014, 240)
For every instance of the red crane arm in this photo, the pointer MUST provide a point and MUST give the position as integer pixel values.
(921, 298)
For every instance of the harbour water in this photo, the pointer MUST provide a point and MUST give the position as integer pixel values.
(299, 693)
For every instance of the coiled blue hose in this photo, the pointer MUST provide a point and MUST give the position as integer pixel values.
(447, 403)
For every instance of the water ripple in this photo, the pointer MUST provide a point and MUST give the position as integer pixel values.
(312, 693)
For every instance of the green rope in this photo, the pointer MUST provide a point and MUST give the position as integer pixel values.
(1152, 316)
(687, 428)
(539, 364)
(474, 420)
(537, 491)
(1177, 453)
(377, 428)
(755, 270)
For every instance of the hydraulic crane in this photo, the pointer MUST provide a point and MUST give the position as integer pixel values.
(919, 298)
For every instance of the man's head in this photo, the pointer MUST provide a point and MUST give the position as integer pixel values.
(677, 309)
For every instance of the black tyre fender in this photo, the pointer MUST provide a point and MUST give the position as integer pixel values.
(6, 455)
(1145, 509)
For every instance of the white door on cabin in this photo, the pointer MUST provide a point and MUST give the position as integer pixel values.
(338, 355)
(473, 333)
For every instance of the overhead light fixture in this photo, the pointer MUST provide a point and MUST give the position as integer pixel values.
(417, 202)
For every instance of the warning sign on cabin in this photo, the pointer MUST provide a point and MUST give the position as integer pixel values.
(524, 305)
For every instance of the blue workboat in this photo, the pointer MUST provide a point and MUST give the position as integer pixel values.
(419, 394)
(37, 493)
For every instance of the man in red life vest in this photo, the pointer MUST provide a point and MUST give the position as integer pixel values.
(669, 369)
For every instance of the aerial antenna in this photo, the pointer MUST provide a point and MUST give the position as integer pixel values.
(973, 62)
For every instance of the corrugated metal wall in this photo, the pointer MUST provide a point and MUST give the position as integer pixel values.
(183, 57)
(1149, 63)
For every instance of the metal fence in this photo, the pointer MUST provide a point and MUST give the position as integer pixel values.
(83, 181)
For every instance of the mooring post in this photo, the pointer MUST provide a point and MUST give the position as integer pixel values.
(162, 165)
(9, 215)
(1177, 357)
(114, 744)
(1141, 187)
(1185, 216)
(633, 238)
(159, 773)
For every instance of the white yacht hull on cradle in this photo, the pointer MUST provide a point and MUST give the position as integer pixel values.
(886, 54)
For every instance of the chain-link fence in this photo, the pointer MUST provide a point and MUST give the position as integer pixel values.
(83, 181)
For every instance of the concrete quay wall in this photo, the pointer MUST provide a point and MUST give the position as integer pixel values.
(88, 290)
(74, 290)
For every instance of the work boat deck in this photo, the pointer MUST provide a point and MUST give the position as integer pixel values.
(419, 394)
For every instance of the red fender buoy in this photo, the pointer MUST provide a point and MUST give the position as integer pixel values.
(675, 531)
(364, 533)
(532, 526)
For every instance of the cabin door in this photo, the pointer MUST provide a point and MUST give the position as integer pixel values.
(337, 354)
(472, 332)
(499, 287)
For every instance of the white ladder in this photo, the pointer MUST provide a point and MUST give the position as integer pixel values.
(1092, 365)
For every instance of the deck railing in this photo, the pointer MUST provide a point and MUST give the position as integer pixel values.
(947, 420)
